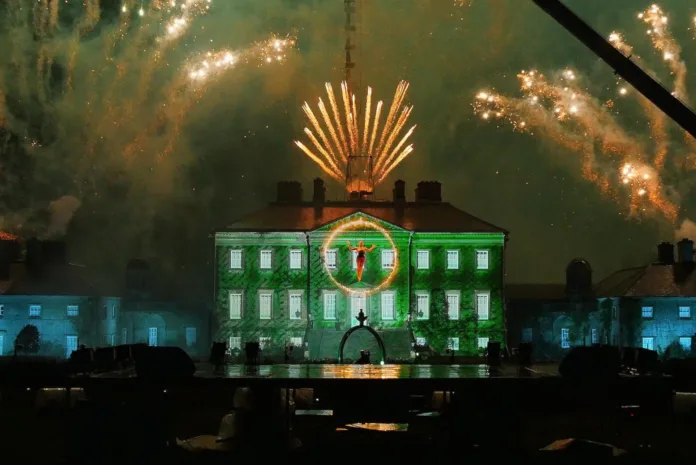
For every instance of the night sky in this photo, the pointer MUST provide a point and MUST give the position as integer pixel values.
(157, 163)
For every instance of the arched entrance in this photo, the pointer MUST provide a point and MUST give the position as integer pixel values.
(374, 333)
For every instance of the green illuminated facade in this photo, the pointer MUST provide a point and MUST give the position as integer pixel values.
(433, 276)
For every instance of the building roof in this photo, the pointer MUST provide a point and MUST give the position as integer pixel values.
(5, 236)
(417, 216)
(56, 280)
(539, 292)
(655, 280)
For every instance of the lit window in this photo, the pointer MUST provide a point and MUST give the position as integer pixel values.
(648, 343)
(388, 305)
(152, 337)
(595, 336)
(111, 340)
(190, 337)
(329, 305)
(647, 312)
(235, 305)
(354, 260)
(483, 304)
(236, 259)
(420, 341)
(330, 257)
(70, 345)
(264, 341)
(453, 259)
(2, 343)
(73, 310)
(296, 341)
(482, 342)
(565, 338)
(684, 312)
(527, 335)
(453, 343)
(113, 312)
(295, 259)
(358, 301)
(124, 336)
(423, 259)
(295, 305)
(387, 259)
(34, 310)
(265, 305)
(2, 311)
(685, 343)
(234, 343)
(265, 259)
(422, 306)
(453, 305)
(482, 259)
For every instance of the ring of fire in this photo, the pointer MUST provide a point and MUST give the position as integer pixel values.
(352, 225)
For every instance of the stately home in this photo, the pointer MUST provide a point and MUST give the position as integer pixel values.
(298, 274)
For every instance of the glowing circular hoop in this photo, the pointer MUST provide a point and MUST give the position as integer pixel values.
(352, 225)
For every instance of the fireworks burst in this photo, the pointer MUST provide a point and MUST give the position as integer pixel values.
(345, 134)
(116, 100)
(562, 110)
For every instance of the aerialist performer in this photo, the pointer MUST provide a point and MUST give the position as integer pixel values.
(360, 259)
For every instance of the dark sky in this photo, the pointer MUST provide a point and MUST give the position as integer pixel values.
(231, 139)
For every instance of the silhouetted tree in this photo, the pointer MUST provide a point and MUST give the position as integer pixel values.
(28, 339)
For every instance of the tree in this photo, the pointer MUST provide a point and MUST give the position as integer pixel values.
(28, 339)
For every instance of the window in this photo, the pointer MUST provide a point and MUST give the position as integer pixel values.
(190, 337)
(330, 257)
(595, 336)
(264, 341)
(34, 310)
(2, 343)
(453, 305)
(483, 304)
(73, 310)
(527, 335)
(265, 305)
(152, 337)
(614, 312)
(295, 259)
(482, 259)
(482, 342)
(111, 340)
(265, 257)
(387, 259)
(422, 306)
(453, 259)
(453, 343)
(649, 343)
(235, 305)
(113, 312)
(124, 336)
(357, 302)
(236, 259)
(296, 341)
(420, 341)
(2, 311)
(565, 338)
(235, 343)
(329, 305)
(354, 260)
(388, 305)
(70, 345)
(647, 312)
(295, 305)
(684, 312)
(685, 342)
(423, 259)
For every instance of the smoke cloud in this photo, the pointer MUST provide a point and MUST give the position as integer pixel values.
(687, 230)
(62, 211)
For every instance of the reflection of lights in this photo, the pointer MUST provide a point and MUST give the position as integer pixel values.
(361, 222)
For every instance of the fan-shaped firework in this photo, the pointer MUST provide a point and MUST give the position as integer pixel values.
(345, 134)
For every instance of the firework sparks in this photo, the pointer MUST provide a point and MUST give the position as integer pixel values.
(343, 135)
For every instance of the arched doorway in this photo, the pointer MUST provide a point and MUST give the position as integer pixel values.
(374, 333)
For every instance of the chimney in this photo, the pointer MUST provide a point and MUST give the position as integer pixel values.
(399, 193)
(665, 253)
(685, 251)
(289, 192)
(6, 257)
(319, 197)
(429, 191)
